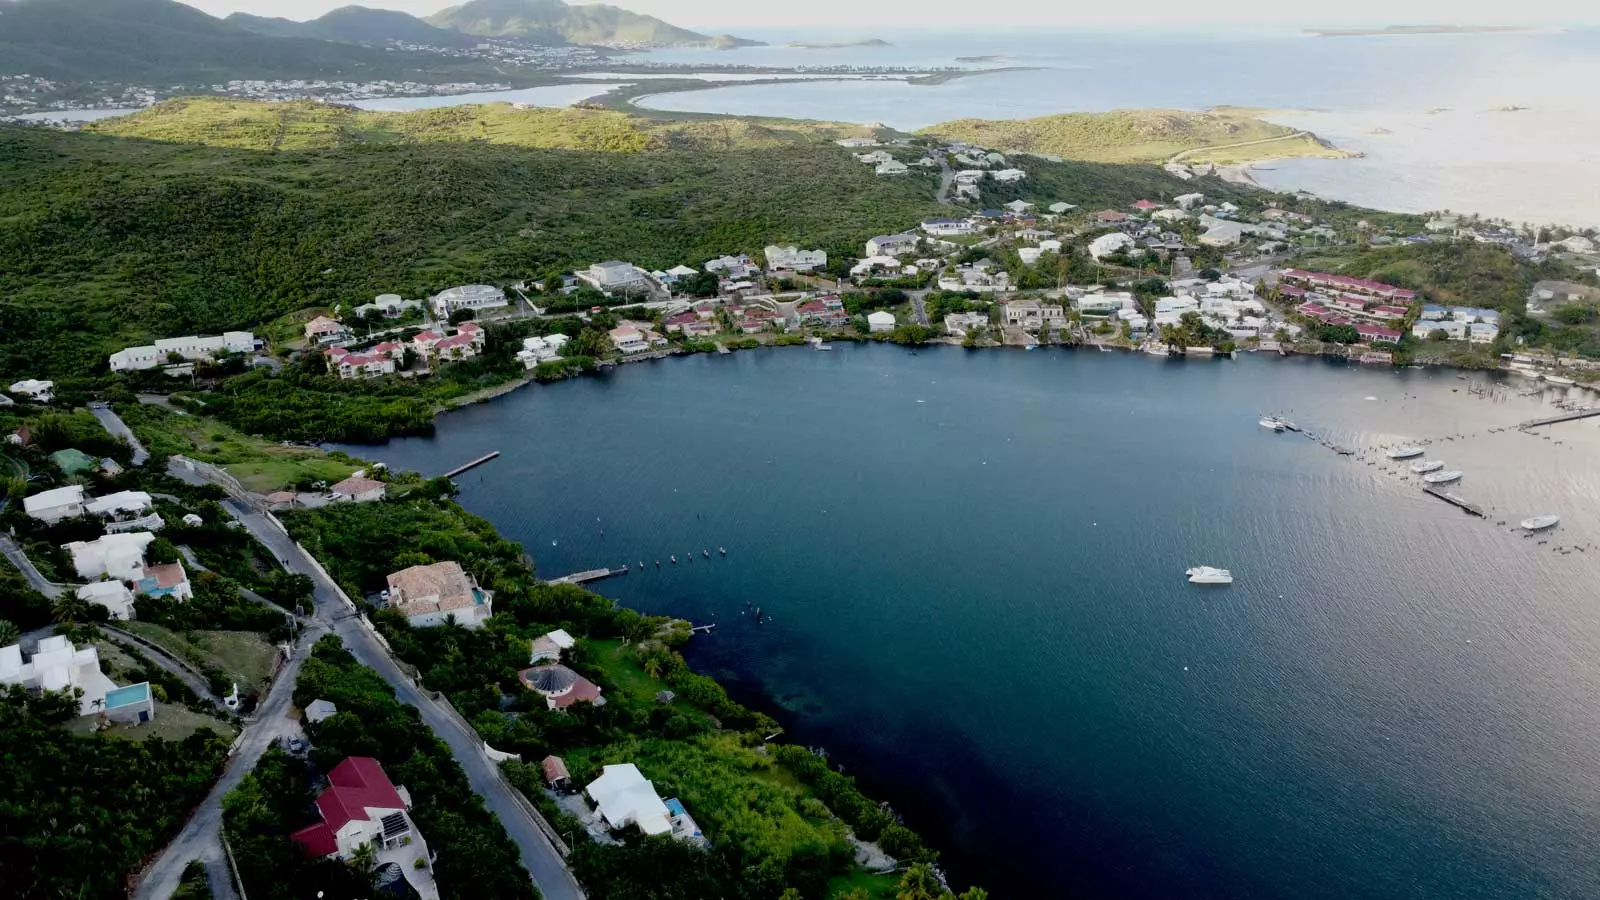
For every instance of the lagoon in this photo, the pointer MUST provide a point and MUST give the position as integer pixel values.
(972, 564)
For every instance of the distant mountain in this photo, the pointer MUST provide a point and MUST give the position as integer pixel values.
(356, 25)
(164, 41)
(553, 19)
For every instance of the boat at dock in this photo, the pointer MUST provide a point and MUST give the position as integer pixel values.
(1423, 468)
(819, 344)
(1443, 477)
(1209, 575)
(1271, 422)
(1406, 452)
(1540, 523)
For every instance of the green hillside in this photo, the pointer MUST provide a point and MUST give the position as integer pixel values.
(202, 216)
(587, 24)
(356, 25)
(1135, 135)
(164, 41)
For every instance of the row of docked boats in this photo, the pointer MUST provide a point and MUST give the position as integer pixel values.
(1434, 472)
(1278, 423)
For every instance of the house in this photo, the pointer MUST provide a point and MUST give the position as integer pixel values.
(1442, 223)
(629, 340)
(970, 177)
(624, 797)
(1104, 303)
(54, 505)
(1189, 201)
(188, 349)
(1146, 206)
(892, 244)
(323, 330)
(472, 297)
(361, 806)
(1061, 209)
(121, 505)
(880, 321)
(1108, 244)
(1482, 332)
(538, 349)
(1110, 217)
(34, 389)
(458, 346)
(72, 461)
(358, 489)
(560, 686)
(1575, 244)
(740, 266)
(616, 277)
(550, 646)
(318, 710)
(1454, 329)
(555, 774)
(1376, 334)
(856, 143)
(165, 580)
(58, 665)
(1168, 215)
(1031, 315)
(119, 556)
(949, 227)
(1029, 255)
(827, 311)
(366, 365)
(983, 276)
(1221, 233)
(389, 306)
(113, 595)
(961, 324)
(793, 259)
(1008, 176)
(434, 594)
(874, 157)
(892, 167)
(677, 273)
(1362, 286)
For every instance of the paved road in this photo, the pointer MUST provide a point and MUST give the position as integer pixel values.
(219, 876)
(119, 429)
(919, 308)
(947, 177)
(539, 856)
(169, 663)
(252, 596)
(201, 832)
(35, 579)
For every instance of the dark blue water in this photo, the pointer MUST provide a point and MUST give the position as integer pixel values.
(973, 564)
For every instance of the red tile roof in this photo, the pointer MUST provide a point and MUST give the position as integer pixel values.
(354, 786)
(317, 840)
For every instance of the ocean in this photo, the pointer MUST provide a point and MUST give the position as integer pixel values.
(1430, 111)
(970, 571)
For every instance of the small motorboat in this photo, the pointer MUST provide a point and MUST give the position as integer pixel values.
(673, 559)
(1423, 468)
(1272, 423)
(1443, 477)
(706, 553)
(1406, 451)
(1540, 523)
(723, 550)
(1209, 575)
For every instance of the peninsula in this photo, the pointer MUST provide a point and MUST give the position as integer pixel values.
(838, 45)
(1404, 30)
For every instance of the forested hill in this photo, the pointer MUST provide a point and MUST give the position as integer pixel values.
(111, 241)
(356, 25)
(589, 23)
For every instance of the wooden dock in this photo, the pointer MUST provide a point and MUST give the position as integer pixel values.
(475, 463)
(1459, 502)
(590, 575)
(1568, 417)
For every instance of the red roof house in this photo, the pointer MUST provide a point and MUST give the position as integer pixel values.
(358, 806)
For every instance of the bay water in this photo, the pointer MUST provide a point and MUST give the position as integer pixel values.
(969, 567)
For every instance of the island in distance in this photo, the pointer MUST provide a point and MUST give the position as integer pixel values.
(838, 45)
(1399, 30)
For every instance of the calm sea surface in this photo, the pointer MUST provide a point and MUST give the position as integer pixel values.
(1427, 110)
(973, 568)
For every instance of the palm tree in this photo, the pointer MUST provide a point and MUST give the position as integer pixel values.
(364, 858)
(652, 666)
(71, 608)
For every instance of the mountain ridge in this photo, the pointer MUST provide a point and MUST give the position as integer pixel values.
(597, 23)
(356, 25)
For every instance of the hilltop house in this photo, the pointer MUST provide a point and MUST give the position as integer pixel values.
(34, 389)
(560, 686)
(358, 489)
(892, 244)
(361, 806)
(434, 594)
(113, 595)
(323, 330)
(624, 797)
(58, 665)
(616, 277)
(474, 297)
(793, 259)
(949, 227)
(188, 349)
(56, 504)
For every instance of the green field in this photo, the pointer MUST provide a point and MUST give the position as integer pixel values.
(261, 465)
(243, 656)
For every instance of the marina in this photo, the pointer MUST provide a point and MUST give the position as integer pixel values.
(1564, 417)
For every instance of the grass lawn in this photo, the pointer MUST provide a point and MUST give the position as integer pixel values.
(259, 464)
(623, 671)
(171, 722)
(244, 655)
(878, 887)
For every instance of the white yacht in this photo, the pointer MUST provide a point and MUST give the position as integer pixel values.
(1540, 523)
(1406, 451)
(1443, 477)
(1271, 422)
(1209, 575)
(1423, 468)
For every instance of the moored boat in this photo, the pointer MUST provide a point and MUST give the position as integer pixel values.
(1423, 468)
(1443, 477)
(1540, 523)
(1209, 575)
(1271, 422)
(1406, 451)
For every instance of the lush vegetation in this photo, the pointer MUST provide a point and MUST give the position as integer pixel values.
(81, 812)
(1130, 135)
(555, 21)
(776, 817)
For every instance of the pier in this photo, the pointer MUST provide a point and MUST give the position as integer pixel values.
(588, 576)
(1458, 502)
(474, 464)
(1567, 417)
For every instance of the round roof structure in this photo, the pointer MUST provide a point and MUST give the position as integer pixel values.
(550, 680)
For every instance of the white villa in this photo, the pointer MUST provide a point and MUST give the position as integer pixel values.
(1031, 315)
(390, 306)
(892, 244)
(54, 505)
(469, 296)
(119, 556)
(949, 227)
(34, 389)
(189, 349)
(880, 321)
(961, 324)
(892, 167)
(113, 595)
(434, 594)
(1107, 244)
(1009, 176)
(537, 349)
(794, 259)
(58, 665)
(623, 797)
(549, 647)
(616, 277)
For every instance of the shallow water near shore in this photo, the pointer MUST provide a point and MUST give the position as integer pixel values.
(971, 564)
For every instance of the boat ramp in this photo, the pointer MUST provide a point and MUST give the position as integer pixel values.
(1566, 417)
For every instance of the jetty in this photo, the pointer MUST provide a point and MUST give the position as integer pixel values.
(588, 576)
(1458, 502)
(1566, 417)
(474, 464)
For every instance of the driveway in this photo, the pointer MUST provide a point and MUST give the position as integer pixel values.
(119, 429)
(37, 581)
(169, 664)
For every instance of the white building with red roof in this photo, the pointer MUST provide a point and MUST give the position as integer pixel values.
(360, 365)
(362, 806)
